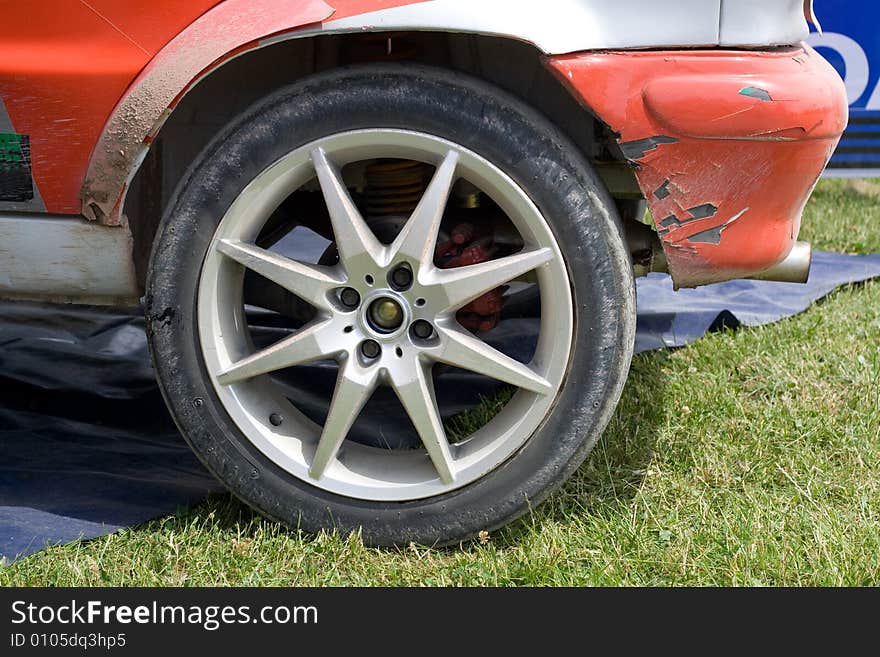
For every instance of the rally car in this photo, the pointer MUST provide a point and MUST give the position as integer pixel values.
(386, 248)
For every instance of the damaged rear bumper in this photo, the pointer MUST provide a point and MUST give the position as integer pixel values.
(726, 146)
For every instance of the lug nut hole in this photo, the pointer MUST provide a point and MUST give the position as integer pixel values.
(349, 297)
(422, 329)
(401, 278)
(370, 349)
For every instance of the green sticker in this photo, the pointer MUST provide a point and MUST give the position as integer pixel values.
(10, 148)
(15, 168)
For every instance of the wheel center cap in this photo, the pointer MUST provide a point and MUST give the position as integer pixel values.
(385, 314)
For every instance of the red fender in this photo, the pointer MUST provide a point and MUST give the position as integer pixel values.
(227, 30)
(216, 36)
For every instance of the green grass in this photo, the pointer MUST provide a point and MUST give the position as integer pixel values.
(750, 458)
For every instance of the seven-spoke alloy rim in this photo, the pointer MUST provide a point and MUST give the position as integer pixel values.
(379, 333)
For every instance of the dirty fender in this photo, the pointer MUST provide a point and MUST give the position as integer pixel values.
(216, 36)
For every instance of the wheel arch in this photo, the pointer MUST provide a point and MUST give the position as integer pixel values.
(198, 115)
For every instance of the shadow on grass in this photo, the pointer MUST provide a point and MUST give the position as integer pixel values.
(614, 471)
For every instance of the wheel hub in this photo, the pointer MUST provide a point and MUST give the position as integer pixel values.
(385, 314)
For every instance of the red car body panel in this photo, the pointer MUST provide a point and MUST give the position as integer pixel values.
(726, 146)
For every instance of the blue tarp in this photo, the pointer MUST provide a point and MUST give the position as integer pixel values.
(87, 447)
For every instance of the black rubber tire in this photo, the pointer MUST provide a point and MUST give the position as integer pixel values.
(508, 133)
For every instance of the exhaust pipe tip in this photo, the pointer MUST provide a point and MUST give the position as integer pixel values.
(794, 268)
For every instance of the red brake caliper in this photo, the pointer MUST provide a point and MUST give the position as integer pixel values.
(466, 247)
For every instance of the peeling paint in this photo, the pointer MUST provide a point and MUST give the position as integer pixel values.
(713, 235)
(671, 220)
(709, 236)
(636, 149)
(702, 211)
(663, 190)
(755, 92)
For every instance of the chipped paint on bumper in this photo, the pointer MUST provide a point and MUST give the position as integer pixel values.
(726, 146)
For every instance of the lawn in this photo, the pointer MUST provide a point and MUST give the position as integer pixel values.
(749, 458)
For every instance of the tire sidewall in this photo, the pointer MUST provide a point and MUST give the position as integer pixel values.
(500, 128)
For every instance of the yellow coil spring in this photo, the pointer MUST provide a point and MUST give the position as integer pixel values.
(394, 186)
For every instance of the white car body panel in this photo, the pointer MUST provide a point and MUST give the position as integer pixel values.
(757, 22)
(563, 26)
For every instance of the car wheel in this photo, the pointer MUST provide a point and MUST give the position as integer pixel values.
(467, 273)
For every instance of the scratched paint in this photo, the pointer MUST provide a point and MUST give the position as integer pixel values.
(726, 174)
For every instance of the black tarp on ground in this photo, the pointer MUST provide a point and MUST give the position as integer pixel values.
(87, 447)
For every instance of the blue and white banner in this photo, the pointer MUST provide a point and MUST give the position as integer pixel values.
(850, 40)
